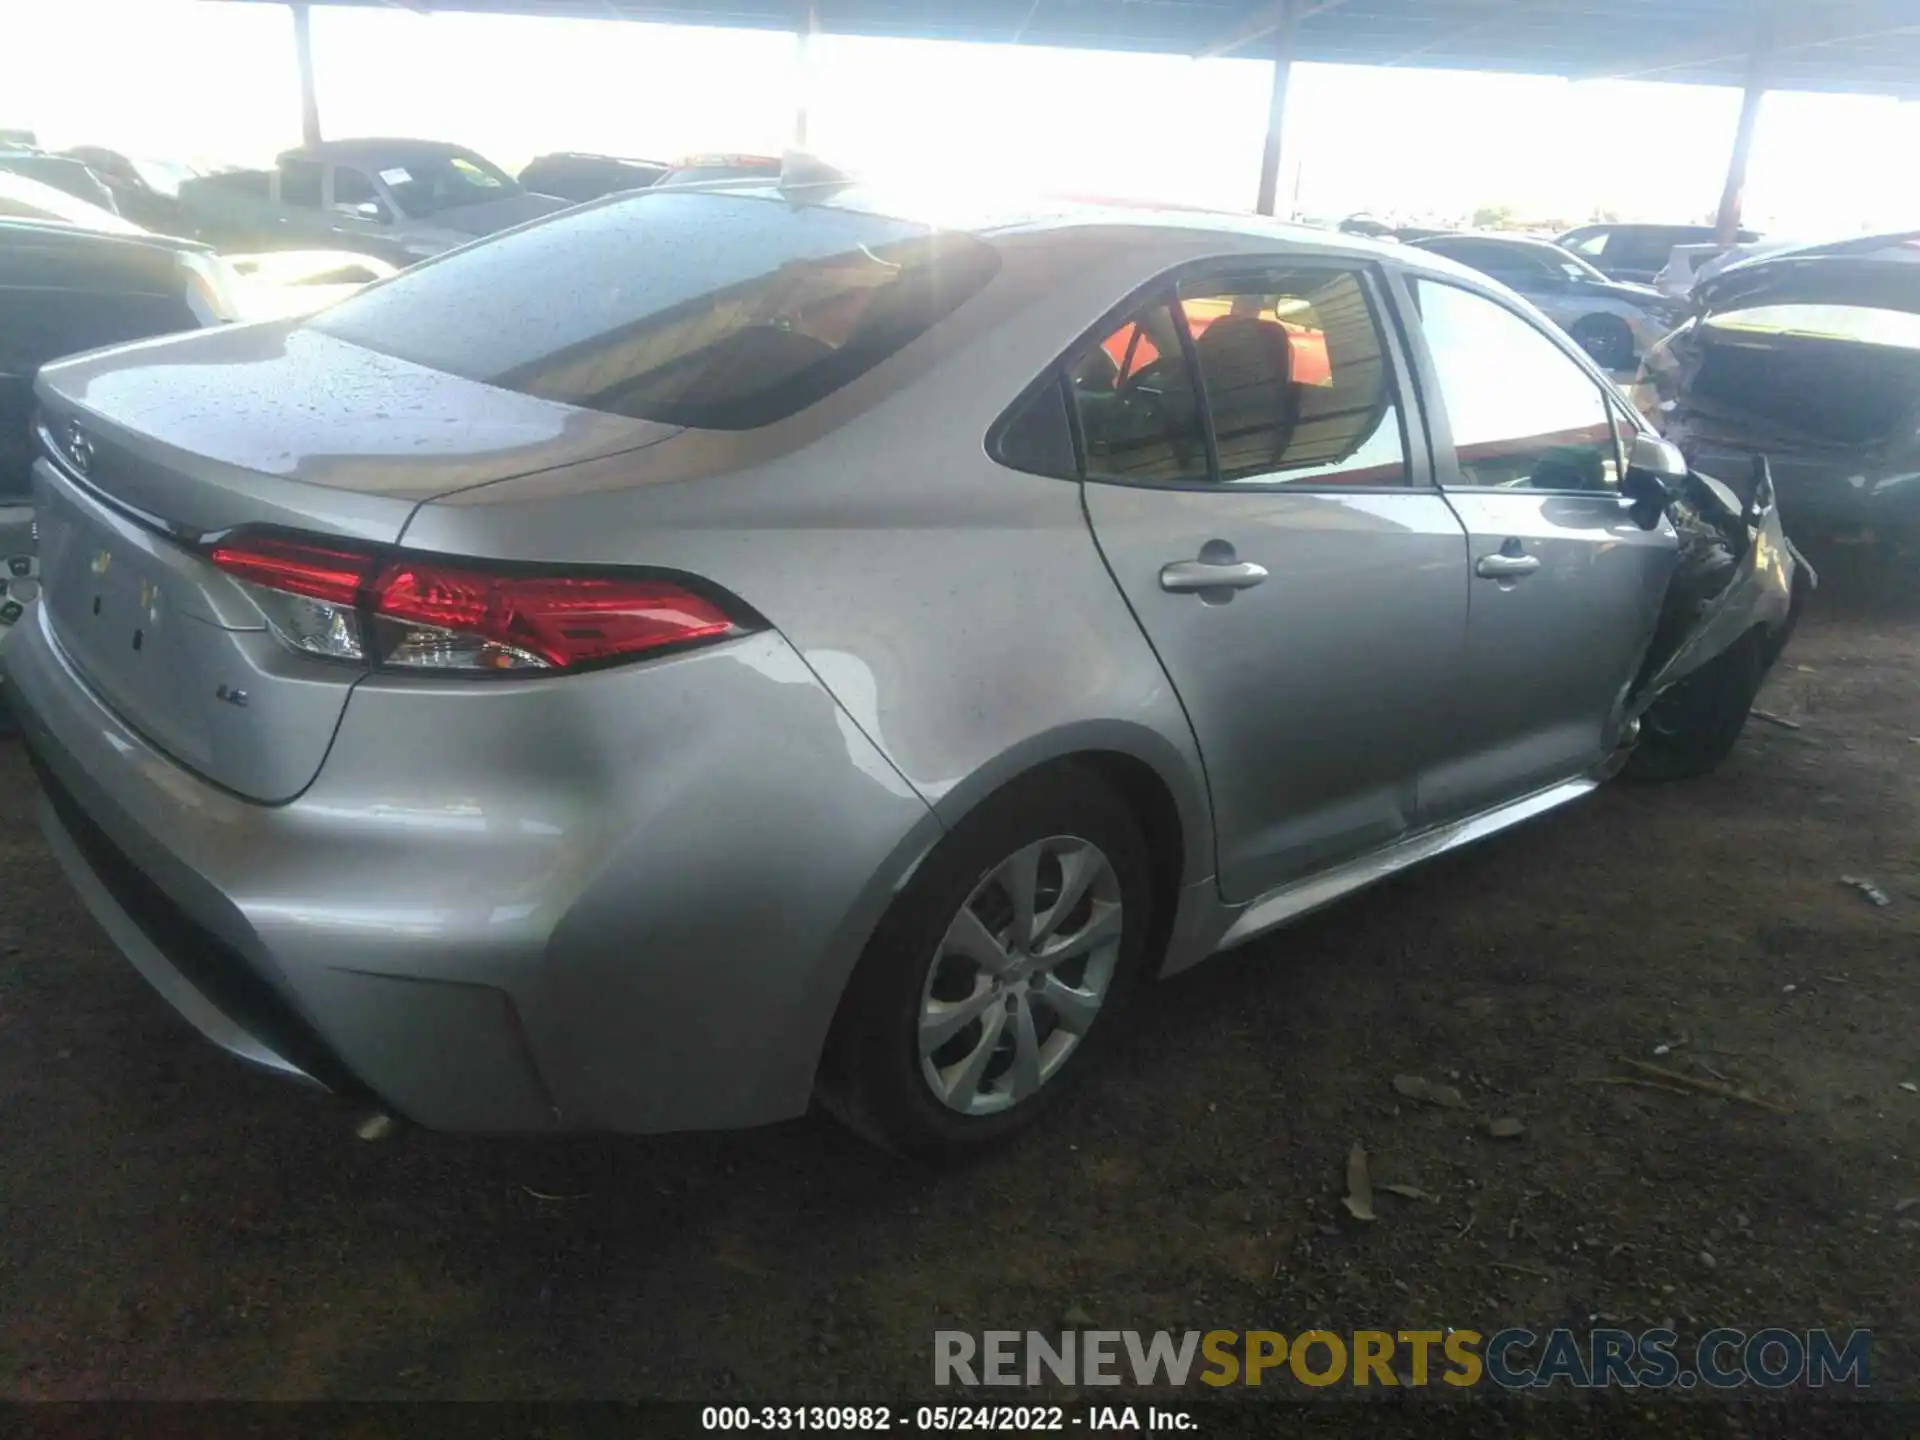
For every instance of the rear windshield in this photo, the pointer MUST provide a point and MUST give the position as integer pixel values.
(1858, 323)
(715, 311)
(1778, 366)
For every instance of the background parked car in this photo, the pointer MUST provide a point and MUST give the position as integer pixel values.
(62, 172)
(65, 287)
(1811, 357)
(145, 191)
(1636, 252)
(578, 177)
(398, 200)
(24, 198)
(1612, 321)
(698, 169)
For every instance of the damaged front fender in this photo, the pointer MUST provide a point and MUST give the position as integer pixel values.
(1738, 573)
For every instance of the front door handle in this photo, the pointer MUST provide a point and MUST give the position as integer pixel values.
(1188, 577)
(1506, 567)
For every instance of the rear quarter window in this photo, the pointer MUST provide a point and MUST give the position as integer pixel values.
(714, 311)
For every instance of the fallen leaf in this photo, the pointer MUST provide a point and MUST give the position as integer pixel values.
(1359, 1196)
(1900, 1207)
(1075, 1317)
(1410, 1192)
(1910, 1087)
(1867, 888)
(543, 1195)
(1416, 1088)
(1505, 1128)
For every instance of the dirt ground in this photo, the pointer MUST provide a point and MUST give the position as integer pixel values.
(172, 1225)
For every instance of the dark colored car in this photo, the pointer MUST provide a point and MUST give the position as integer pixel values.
(66, 288)
(1811, 357)
(578, 177)
(145, 191)
(1636, 252)
(1612, 321)
(397, 200)
(62, 172)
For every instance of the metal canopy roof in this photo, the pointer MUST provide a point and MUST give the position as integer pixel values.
(1870, 46)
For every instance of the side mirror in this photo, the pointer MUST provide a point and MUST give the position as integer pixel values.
(365, 210)
(1652, 465)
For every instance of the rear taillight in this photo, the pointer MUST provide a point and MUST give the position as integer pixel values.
(417, 612)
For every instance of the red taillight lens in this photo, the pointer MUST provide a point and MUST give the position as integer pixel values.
(558, 621)
(296, 569)
(428, 614)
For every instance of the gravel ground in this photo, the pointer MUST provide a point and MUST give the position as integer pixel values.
(176, 1226)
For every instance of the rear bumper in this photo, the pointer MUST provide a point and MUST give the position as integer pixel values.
(493, 926)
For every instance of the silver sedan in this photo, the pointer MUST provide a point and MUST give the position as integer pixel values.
(713, 649)
(1614, 321)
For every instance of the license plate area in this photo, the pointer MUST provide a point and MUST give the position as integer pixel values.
(178, 651)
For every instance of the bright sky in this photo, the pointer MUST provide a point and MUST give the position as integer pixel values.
(215, 81)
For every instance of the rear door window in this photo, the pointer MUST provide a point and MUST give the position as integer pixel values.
(715, 311)
(300, 183)
(1296, 381)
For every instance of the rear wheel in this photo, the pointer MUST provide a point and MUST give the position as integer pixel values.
(1607, 339)
(1695, 725)
(991, 984)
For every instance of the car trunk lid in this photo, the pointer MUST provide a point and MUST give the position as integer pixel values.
(151, 450)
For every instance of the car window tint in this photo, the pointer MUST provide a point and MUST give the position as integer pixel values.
(709, 310)
(1642, 249)
(1139, 414)
(300, 183)
(1523, 413)
(351, 187)
(1296, 381)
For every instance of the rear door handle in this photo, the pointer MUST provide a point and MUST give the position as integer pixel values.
(1506, 567)
(1187, 577)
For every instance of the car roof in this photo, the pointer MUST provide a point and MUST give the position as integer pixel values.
(728, 160)
(1863, 270)
(599, 159)
(1519, 242)
(1617, 226)
(373, 147)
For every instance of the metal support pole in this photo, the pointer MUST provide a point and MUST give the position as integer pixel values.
(1727, 229)
(303, 51)
(1277, 107)
(804, 67)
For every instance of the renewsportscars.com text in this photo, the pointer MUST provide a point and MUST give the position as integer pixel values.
(1513, 1358)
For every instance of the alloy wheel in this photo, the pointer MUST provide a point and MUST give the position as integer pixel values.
(1020, 975)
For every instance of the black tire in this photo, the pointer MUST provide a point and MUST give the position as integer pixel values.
(871, 1076)
(1694, 726)
(1607, 340)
